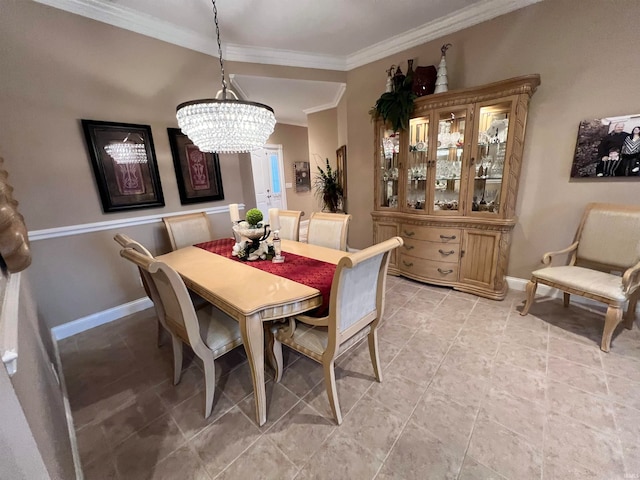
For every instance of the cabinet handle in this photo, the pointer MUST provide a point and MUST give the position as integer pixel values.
(447, 237)
(411, 234)
(472, 161)
(408, 264)
(445, 272)
(409, 247)
(461, 253)
(450, 252)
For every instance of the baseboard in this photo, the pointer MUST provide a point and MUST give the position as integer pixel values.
(100, 318)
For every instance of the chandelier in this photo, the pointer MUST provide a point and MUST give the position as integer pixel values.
(127, 152)
(222, 124)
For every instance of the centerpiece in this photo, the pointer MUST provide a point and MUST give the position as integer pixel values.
(253, 233)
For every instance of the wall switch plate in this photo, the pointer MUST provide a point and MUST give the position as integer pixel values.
(288, 185)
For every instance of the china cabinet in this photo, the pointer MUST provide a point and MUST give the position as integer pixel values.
(448, 185)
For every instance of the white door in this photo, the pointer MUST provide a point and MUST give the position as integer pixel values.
(268, 178)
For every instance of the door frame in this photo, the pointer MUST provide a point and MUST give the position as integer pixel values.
(278, 149)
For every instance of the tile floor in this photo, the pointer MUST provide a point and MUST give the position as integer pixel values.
(472, 390)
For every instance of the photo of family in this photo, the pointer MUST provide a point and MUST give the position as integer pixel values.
(608, 147)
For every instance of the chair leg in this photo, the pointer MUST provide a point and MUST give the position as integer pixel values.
(332, 391)
(611, 321)
(177, 359)
(373, 352)
(630, 314)
(274, 353)
(565, 299)
(160, 333)
(531, 293)
(209, 383)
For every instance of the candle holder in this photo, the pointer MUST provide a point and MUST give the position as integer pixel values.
(277, 248)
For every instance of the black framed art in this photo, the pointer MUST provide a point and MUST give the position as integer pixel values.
(197, 172)
(124, 164)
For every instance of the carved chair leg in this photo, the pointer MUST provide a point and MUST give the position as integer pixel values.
(565, 299)
(177, 359)
(611, 321)
(531, 293)
(630, 314)
(332, 391)
(374, 354)
(274, 354)
(209, 384)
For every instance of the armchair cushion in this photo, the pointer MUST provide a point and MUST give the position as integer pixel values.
(584, 279)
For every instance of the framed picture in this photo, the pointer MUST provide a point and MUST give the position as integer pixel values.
(124, 163)
(198, 173)
(341, 167)
(608, 147)
(303, 176)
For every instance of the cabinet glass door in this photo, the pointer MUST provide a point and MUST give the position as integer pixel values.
(449, 156)
(388, 173)
(417, 164)
(490, 153)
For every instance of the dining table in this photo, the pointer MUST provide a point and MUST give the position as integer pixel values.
(253, 296)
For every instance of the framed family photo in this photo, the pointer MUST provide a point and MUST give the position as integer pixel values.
(608, 147)
(124, 164)
(197, 172)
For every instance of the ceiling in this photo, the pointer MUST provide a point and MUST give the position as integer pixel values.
(327, 34)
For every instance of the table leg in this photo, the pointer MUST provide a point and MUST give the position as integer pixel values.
(253, 338)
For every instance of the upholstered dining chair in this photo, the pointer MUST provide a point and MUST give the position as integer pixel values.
(355, 309)
(329, 230)
(186, 230)
(210, 332)
(127, 242)
(607, 241)
(290, 224)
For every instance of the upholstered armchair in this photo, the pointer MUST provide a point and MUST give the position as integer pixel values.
(604, 265)
(355, 309)
(189, 229)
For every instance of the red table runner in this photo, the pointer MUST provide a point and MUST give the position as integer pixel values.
(307, 271)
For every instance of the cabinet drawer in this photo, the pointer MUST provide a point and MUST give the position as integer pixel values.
(428, 268)
(436, 251)
(431, 234)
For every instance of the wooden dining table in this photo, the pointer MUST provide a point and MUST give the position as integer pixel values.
(251, 296)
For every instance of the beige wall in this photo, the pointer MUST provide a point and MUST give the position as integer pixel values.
(583, 50)
(295, 148)
(323, 142)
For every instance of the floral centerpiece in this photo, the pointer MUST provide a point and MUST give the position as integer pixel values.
(254, 233)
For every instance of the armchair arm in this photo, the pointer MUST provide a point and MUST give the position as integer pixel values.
(630, 279)
(317, 322)
(547, 258)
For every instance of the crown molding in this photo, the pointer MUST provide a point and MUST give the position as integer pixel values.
(341, 89)
(454, 22)
(133, 20)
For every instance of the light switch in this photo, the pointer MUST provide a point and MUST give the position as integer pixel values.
(288, 185)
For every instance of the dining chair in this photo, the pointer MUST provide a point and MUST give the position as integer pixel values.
(356, 306)
(329, 230)
(127, 242)
(290, 224)
(607, 241)
(208, 330)
(189, 229)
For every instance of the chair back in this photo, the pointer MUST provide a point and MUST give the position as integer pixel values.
(179, 313)
(329, 230)
(609, 236)
(186, 230)
(127, 242)
(290, 224)
(357, 291)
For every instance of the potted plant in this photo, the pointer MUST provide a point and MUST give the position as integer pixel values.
(328, 188)
(396, 106)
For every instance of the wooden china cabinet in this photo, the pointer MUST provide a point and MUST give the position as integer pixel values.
(448, 185)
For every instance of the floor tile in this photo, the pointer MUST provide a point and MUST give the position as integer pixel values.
(262, 461)
(587, 355)
(397, 393)
(523, 357)
(518, 381)
(460, 386)
(189, 415)
(183, 463)
(279, 401)
(468, 360)
(474, 470)
(578, 376)
(621, 366)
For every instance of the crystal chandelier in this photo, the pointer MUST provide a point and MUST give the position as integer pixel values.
(127, 152)
(225, 125)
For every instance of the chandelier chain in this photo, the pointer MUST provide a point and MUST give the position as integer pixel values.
(215, 19)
